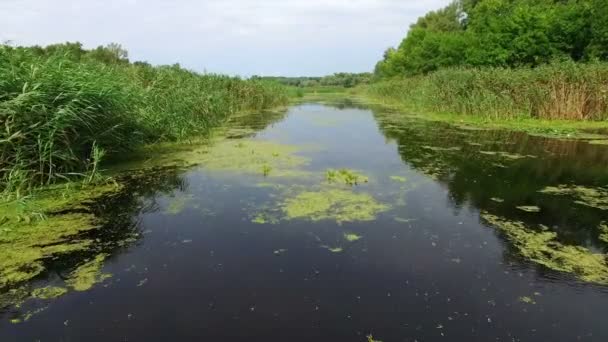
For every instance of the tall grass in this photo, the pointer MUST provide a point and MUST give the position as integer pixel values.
(59, 115)
(564, 90)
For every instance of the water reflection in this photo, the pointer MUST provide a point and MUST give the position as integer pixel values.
(499, 171)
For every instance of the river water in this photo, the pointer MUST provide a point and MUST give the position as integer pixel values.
(429, 233)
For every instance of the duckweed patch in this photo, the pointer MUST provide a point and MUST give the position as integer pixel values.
(49, 292)
(255, 157)
(506, 155)
(442, 149)
(527, 300)
(32, 231)
(178, 204)
(87, 275)
(542, 247)
(333, 249)
(338, 205)
(346, 176)
(265, 218)
(603, 230)
(398, 179)
(529, 208)
(352, 237)
(590, 197)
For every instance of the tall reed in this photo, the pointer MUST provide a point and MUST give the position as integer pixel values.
(58, 114)
(564, 90)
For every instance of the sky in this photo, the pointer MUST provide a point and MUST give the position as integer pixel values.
(236, 37)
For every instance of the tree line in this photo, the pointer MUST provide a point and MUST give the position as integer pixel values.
(501, 33)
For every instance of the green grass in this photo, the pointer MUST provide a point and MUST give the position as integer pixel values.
(557, 99)
(61, 114)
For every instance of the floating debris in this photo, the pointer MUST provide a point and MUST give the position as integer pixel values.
(279, 251)
(497, 200)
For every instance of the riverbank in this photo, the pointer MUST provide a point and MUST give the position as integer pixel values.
(565, 100)
(66, 109)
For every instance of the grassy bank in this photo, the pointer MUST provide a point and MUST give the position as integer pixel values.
(560, 98)
(63, 109)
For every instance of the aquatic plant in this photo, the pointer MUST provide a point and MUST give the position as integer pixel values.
(49, 292)
(592, 197)
(561, 90)
(251, 157)
(63, 114)
(352, 237)
(603, 229)
(33, 231)
(398, 179)
(178, 204)
(85, 276)
(529, 208)
(543, 247)
(348, 177)
(333, 204)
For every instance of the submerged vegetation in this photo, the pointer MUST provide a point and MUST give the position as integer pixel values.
(63, 107)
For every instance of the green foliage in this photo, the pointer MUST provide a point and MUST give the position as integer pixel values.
(501, 33)
(564, 90)
(342, 79)
(62, 108)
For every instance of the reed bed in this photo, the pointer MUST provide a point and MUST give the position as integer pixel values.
(59, 114)
(564, 91)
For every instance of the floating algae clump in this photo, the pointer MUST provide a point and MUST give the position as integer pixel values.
(32, 232)
(603, 228)
(49, 292)
(398, 179)
(178, 204)
(591, 197)
(441, 149)
(254, 157)
(529, 208)
(506, 155)
(352, 237)
(348, 177)
(338, 205)
(543, 248)
(85, 276)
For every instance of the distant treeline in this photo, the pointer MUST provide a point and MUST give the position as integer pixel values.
(347, 80)
(503, 59)
(62, 108)
(501, 33)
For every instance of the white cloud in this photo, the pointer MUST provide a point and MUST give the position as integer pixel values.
(245, 37)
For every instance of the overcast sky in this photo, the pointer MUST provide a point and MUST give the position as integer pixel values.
(237, 37)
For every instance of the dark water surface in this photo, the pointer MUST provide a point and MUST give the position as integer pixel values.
(428, 269)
